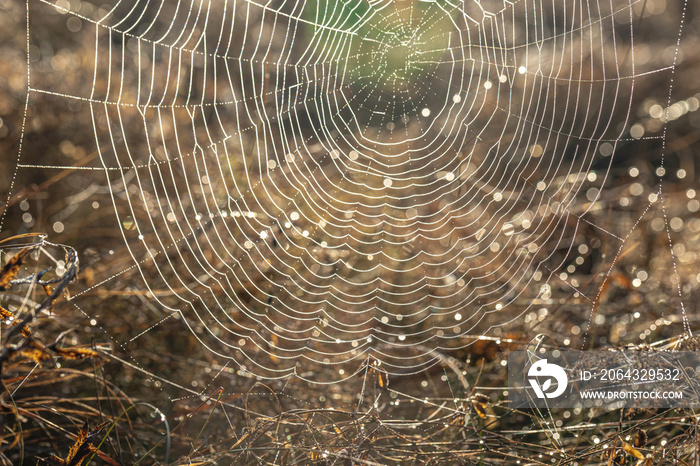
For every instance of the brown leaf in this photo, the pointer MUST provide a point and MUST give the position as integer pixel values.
(382, 379)
(8, 315)
(622, 281)
(640, 440)
(11, 269)
(480, 409)
(48, 291)
(35, 351)
(482, 349)
(80, 449)
(5, 314)
(75, 352)
(617, 458)
(372, 366)
(479, 402)
(83, 445)
(632, 451)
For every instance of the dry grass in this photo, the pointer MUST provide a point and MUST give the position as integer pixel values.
(67, 397)
(95, 371)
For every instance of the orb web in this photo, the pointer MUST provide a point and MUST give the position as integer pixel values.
(317, 183)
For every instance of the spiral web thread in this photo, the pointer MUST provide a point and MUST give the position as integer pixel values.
(308, 184)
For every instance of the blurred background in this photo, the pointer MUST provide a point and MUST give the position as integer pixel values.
(300, 246)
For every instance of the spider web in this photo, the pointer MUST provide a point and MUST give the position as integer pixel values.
(309, 191)
(324, 183)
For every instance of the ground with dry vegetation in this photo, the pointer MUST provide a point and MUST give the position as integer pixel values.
(75, 391)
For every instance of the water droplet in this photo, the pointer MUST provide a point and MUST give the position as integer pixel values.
(508, 229)
(637, 131)
(606, 149)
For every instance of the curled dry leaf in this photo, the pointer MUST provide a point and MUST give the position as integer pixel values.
(640, 440)
(479, 403)
(617, 458)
